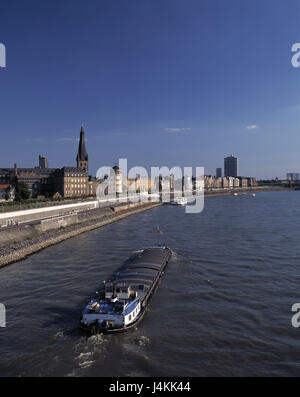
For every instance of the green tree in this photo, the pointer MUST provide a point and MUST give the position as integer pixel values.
(22, 192)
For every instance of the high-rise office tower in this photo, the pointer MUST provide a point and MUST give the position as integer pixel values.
(231, 166)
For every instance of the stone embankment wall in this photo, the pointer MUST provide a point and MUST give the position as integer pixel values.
(18, 242)
(16, 217)
(27, 231)
(15, 234)
(57, 222)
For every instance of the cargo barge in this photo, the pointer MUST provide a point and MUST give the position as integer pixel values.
(121, 302)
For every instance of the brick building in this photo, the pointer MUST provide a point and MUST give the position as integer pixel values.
(71, 181)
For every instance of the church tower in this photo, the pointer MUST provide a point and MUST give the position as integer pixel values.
(82, 156)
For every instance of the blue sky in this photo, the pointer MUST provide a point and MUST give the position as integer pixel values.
(160, 82)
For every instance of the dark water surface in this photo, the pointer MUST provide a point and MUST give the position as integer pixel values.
(223, 307)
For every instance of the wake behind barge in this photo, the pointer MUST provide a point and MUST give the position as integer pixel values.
(121, 302)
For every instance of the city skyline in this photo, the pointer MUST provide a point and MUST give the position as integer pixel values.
(152, 82)
(229, 168)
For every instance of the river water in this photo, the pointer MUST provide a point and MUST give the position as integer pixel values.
(223, 307)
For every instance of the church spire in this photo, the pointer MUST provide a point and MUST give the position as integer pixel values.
(82, 156)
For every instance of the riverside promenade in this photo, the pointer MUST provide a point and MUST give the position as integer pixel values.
(33, 230)
(17, 242)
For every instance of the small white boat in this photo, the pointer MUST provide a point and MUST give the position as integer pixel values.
(253, 194)
(235, 194)
(179, 201)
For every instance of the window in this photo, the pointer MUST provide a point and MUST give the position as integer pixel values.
(129, 318)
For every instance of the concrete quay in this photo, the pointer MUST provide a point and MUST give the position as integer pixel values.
(18, 242)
